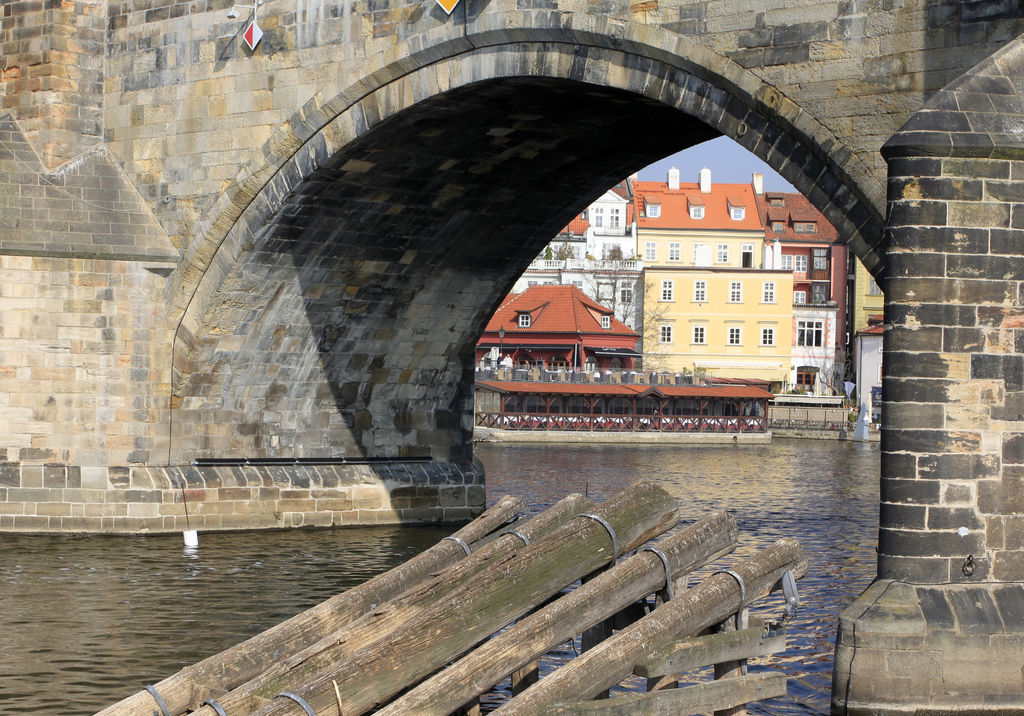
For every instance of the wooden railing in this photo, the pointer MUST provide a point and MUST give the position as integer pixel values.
(624, 423)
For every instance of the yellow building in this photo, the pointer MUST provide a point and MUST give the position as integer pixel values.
(708, 303)
(730, 322)
(866, 298)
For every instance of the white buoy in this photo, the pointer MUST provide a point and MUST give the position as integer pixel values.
(191, 538)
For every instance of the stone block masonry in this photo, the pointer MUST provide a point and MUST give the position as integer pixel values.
(131, 500)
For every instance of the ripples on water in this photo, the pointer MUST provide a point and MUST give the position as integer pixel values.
(87, 621)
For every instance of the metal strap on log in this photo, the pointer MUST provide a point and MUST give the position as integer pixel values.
(299, 700)
(611, 531)
(164, 710)
(458, 541)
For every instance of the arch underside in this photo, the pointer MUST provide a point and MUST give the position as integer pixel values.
(339, 314)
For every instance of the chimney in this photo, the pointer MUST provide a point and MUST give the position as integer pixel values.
(705, 181)
(758, 181)
(673, 179)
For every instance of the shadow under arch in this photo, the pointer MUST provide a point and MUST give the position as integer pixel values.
(361, 272)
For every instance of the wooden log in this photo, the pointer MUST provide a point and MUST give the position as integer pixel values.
(392, 615)
(492, 599)
(708, 603)
(686, 701)
(591, 603)
(191, 686)
(710, 649)
(735, 668)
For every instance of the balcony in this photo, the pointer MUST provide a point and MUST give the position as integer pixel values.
(584, 265)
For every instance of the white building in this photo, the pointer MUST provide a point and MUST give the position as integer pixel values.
(596, 253)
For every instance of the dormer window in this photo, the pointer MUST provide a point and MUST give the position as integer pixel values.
(805, 227)
(779, 227)
(737, 213)
(696, 211)
(606, 322)
(654, 210)
(524, 320)
(776, 201)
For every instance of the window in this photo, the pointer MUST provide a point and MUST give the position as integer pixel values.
(800, 263)
(654, 210)
(700, 254)
(805, 377)
(531, 283)
(805, 227)
(665, 334)
(700, 291)
(667, 290)
(819, 292)
(524, 320)
(578, 284)
(734, 336)
(673, 251)
(606, 322)
(597, 217)
(722, 256)
(735, 292)
(776, 201)
(810, 333)
(768, 292)
(696, 211)
(614, 218)
(698, 335)
(767, 336)
(819, 260)
(873, 288)
(747, 255)
(650, 251)
(779, 227)
(737, 213)
(626, 296)
(787, 262)
(799, 296)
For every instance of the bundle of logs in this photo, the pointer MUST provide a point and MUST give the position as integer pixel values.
(487, 603)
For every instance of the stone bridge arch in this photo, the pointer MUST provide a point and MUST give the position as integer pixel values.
(586, 106)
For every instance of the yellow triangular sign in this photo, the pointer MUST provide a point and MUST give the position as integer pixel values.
(448, 5)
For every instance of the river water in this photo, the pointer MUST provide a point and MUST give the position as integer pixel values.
(87, 621)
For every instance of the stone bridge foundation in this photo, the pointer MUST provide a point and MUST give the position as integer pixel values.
(137, 499)
(942, 630)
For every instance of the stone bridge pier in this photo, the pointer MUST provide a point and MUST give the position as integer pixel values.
(248, 283)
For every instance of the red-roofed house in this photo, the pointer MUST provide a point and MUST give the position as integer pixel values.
(557, 327)
(799, 239)
(710, 303)
(867, 363)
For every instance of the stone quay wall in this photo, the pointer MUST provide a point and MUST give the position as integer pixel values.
(133, 499)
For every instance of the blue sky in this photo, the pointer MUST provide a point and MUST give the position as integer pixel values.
(728, 161)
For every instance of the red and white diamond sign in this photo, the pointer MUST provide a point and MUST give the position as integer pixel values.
(252, 35)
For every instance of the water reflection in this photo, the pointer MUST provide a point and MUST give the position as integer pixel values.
(89, 620)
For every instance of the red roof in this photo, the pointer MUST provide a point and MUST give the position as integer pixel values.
(796, 207)
(675, 206)
(555, 309)
(668, 391)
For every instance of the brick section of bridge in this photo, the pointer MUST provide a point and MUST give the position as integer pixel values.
(51, 498)
(945, 621)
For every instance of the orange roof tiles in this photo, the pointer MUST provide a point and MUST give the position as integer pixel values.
(675, 212)
(796, 208)
(556, 309)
